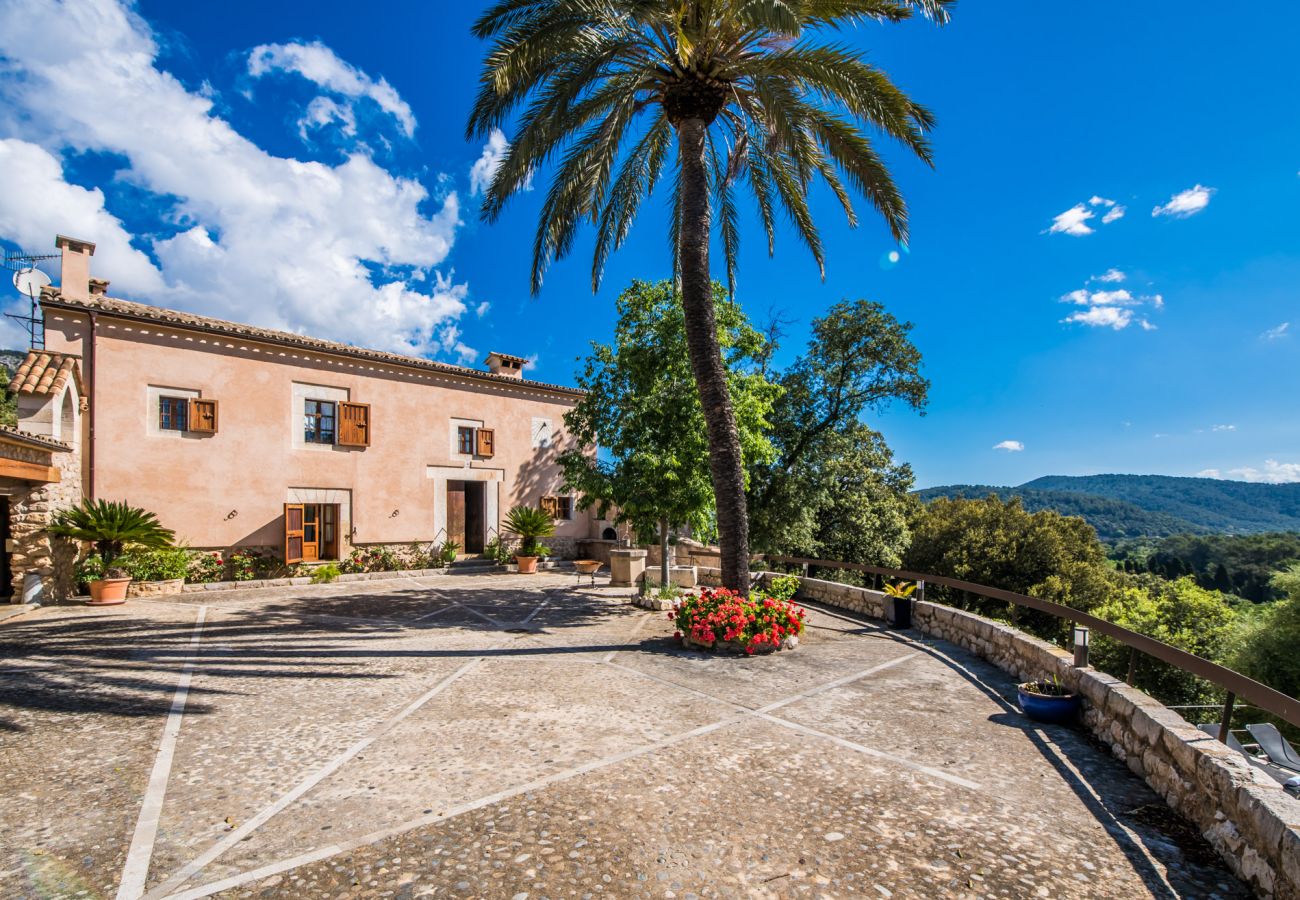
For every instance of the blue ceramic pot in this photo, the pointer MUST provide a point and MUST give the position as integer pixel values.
(1042, 708)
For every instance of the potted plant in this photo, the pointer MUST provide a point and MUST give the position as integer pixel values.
(111, 526)
(1048, 701)
(529, 523)
(900, 601)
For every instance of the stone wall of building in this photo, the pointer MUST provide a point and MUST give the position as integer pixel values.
(30, 511)
(1244, 814)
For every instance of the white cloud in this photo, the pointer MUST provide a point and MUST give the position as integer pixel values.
(1185, 203)
(1110, 276)
(1102, 317)
(482, 309)
(1009, 446)
(319, 65)
(1224, 428)
(344, 251)
(530, 363)
(1277, 332)
(485, 167)
(1073, 221)
(1110, 308)
(322, 111)
(1273, 472)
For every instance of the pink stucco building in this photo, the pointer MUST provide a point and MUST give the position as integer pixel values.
(242, 436)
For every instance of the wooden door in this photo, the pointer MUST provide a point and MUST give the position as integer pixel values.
(310, 532)
(293, 533)
(456, 512)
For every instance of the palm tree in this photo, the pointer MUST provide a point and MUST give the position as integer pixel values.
(745, 92)
(111, 526)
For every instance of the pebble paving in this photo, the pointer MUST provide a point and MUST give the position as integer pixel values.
(509, 736)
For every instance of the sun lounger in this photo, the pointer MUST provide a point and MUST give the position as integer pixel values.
(1279, 752)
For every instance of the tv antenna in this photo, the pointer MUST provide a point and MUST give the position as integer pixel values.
(29, 280)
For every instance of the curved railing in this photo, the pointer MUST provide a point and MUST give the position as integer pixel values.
(1236, 685)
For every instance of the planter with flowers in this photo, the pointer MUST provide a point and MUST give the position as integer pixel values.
(724, 621)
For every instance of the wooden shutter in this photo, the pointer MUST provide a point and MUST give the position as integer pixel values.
(354, 425)
(203, 416)
(551, 506)
(487, 442)
(292, 533)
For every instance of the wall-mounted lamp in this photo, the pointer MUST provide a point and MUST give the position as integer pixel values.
(1081, 638)
(393, 514)
(230, 515)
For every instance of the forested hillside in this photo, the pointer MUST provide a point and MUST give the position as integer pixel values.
(1131, 506)
(1240, 564)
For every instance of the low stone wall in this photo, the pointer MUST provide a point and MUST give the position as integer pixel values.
(1242, 812)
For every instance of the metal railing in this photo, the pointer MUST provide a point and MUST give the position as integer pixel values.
(1237, 686)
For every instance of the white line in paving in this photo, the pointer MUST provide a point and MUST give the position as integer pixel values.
(136, 869)
(234, 837)
(545, 781)
(795, 726)
(266, 871)
(633, 633)
(871, 751)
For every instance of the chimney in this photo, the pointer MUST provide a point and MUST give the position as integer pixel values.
(505, 364)
(74, 279)
(98, 287)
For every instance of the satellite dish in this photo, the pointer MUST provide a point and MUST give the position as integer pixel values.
(30, 281)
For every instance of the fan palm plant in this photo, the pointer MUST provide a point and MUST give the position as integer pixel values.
(744, 92)
(529, 523)
(111, 525)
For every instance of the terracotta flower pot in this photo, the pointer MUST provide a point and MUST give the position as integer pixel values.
(586, 566)
(108, 591)
(527, 564)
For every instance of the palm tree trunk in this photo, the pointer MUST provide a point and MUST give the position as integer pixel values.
(725, 464)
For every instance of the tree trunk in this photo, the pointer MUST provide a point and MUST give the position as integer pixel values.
(664, 567)
(725, 464)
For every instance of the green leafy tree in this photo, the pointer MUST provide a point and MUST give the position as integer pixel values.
(111, 526)
(997, 543)
(833, 490)
(641, 408)
(1179, 613)
(731, 91)
(8, 400)
(1268, 652)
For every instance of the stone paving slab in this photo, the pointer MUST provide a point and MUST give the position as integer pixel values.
(505, 735)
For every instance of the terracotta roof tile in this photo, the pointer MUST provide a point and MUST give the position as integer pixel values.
(13, 435)
(142, 312)
(43, 372)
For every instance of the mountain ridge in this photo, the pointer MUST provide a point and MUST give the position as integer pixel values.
(1129, 506)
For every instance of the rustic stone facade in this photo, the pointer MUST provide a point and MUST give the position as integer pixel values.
(1242, 812)
(30, 507)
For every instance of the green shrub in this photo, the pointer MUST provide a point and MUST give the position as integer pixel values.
(162, 564)
(783, 587)
(498, 551)
(446, 554)
(325, 574)
(205, 566)
(90, 568)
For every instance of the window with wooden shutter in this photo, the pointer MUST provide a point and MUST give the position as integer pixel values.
(293, 530)
(354, 425)
(487, 442)
(551, 506)
(203, 416)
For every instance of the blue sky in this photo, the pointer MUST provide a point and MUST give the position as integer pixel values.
(303, 165)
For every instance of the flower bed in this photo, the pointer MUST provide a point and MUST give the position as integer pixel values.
(723, 620)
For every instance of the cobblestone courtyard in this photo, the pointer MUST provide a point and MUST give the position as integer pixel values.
(506, 736)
